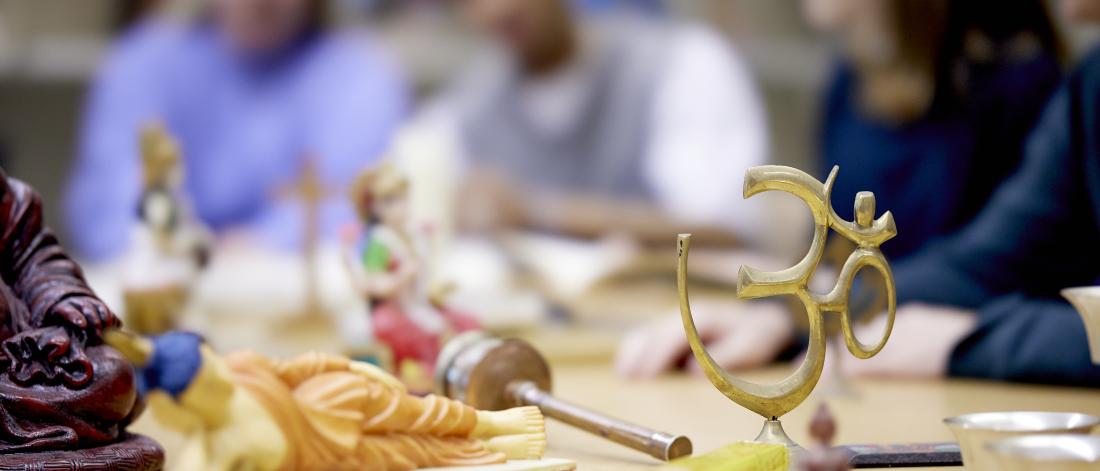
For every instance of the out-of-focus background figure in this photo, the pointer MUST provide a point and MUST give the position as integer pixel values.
(930, 104)
(1003, 274)
(255, 91)
(928, 108)
(274, 111)
(573, 115)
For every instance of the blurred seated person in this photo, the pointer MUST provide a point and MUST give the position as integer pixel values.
(929, 109)
(930, 105)
(255, 91)
(586, 118)
(1000, 277)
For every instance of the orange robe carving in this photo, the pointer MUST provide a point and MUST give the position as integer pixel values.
(335, 417)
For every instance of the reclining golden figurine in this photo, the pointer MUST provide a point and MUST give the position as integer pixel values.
(314, 412)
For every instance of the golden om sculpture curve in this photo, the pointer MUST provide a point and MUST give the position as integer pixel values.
(773, 400)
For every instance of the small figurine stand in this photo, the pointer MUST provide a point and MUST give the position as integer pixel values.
(495, 374)
(771, 401)
(774, 456)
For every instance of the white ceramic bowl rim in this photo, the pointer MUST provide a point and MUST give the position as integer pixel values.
(1022, 421)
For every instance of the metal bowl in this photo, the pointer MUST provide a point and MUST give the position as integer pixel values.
(1047, 452)
(974, 431)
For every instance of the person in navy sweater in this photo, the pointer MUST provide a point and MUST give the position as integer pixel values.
(985, 302)
(928, 109)
(1039, 234)
(933, 128)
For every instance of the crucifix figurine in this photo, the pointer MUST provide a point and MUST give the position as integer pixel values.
(310, 189)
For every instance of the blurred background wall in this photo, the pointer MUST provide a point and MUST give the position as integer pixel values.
(49, 50)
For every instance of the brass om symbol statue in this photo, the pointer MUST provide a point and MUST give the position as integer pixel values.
(773, 400)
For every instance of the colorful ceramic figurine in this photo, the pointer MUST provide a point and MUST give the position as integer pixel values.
(65, 397)
(168, 247)
(388, 263)
(315, 412)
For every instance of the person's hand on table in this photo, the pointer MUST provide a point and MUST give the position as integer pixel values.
(738, 335)
(491, 202)
(920, 345)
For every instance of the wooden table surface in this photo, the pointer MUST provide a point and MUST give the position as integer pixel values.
(881, 411)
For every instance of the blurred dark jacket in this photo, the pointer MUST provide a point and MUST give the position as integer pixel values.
(937, 172)
(1040, 233)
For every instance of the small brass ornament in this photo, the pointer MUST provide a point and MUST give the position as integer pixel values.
(773, 400)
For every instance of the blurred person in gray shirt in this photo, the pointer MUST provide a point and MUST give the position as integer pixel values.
(588, 122)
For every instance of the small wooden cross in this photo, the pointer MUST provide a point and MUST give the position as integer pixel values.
(312, 191)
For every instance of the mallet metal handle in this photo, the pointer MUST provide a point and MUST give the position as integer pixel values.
(660, 445)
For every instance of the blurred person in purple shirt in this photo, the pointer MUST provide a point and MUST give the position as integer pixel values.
(252, 90)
